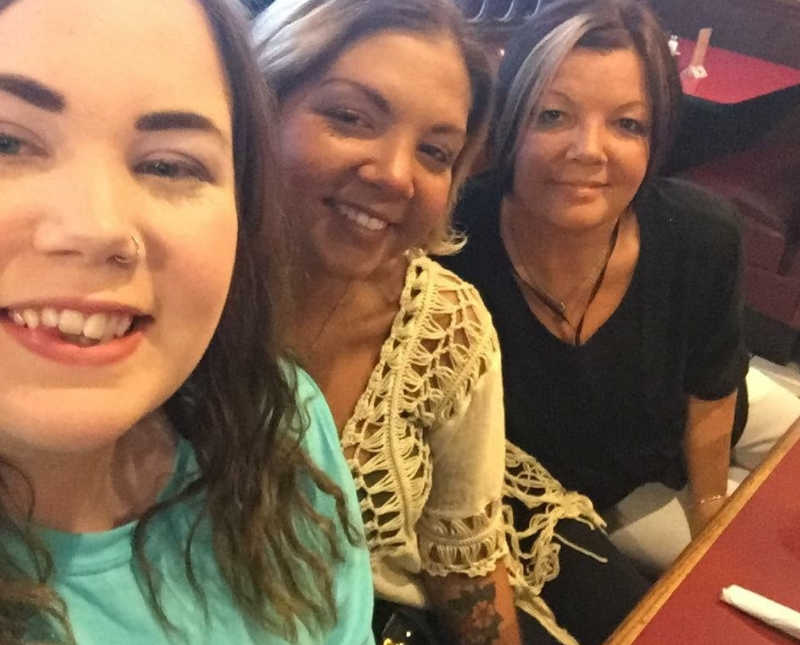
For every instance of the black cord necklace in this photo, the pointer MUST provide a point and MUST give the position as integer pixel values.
(559, 307)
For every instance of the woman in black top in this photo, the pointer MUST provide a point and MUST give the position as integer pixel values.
(615, 294)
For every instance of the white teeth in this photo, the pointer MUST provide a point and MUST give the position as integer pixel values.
(95, 326)
(99, 326)
(50, 317)
(124, 325)
(111, 327)
(361, 218)
(31, 318)
(71, 322)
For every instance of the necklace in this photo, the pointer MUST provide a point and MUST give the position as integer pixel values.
(559, 307)
(318, 336)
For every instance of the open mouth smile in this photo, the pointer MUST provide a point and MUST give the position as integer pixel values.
(74, 336)
(358, 216)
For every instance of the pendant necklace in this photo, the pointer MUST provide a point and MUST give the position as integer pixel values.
(555, 305)
(313, 345)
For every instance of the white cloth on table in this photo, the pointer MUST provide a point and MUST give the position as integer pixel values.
(769, 611)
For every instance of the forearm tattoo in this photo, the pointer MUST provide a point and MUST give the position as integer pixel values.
(472, 616)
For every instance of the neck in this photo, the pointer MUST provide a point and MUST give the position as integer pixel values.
(94, 490)
(557, 257)
(324, 300)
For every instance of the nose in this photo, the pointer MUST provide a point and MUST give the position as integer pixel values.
(86, 218)
(390, 167)
(588, 143)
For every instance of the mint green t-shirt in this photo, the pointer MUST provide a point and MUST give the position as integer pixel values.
(94, 576)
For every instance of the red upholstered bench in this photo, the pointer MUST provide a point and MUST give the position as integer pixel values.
(764, 183)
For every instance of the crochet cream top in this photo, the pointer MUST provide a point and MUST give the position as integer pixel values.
(426, 448)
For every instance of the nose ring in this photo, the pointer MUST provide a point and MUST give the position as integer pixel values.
(127, 258)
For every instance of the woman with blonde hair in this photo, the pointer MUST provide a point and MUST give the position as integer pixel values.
(384, 104)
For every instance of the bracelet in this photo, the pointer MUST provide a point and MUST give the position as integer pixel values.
(707, 500)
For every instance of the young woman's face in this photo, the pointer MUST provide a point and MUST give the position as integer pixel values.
(584, 153)
(368, 149)
(117, 218)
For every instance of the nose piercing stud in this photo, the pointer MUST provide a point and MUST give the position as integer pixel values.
(121, 258)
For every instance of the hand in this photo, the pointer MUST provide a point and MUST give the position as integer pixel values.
(700, 513)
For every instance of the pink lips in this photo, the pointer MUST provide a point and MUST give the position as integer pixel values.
(582, 184)
(49, 344)
(581, 191)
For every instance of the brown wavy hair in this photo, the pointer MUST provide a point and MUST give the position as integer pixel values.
(238, 409)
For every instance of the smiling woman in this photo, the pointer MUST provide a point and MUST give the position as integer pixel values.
(136, 317)
(615, 292)
(383, 106)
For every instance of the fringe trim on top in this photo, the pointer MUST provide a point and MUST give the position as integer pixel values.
(533, 552)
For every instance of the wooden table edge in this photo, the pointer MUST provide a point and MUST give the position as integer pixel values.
(660, 592)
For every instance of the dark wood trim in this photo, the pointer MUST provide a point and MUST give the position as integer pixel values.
(769, 29)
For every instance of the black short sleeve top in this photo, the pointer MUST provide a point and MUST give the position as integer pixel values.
(609, 415)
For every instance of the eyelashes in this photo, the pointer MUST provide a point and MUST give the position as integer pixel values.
(348, 121)
(553, 118)
(174, 169)
(17, 146)
(634, 126)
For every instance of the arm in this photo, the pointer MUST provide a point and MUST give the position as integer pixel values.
(718, 361)
(461, 532)
(707, 449)
(475, 611)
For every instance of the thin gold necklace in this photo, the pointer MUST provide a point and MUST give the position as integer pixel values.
(559, 307)
(313, 346)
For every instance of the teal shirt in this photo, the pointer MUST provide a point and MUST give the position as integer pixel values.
(106, 606)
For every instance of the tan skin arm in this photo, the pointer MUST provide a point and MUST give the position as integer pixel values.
(475, 611)
(707, 448)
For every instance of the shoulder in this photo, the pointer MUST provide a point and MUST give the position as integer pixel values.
(321, 439)
(451, 331)
(450, 299)
(707, 221)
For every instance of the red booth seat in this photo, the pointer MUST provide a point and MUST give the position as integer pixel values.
(764, 183)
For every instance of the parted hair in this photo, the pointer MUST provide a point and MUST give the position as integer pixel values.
(538, 48)
(297, 40)
(239, 411)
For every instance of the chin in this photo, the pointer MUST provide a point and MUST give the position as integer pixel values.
(70, 422)
(584, 219)
(352, 265)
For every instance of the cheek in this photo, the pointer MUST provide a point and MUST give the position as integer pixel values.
(192, 286)
(433, 202)
(630, 171)
(306, 155)
(531, 162)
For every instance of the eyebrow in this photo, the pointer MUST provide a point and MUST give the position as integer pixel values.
(374, 96)
(624, 106)
(383, 105)
(177, 120)
(32, 92)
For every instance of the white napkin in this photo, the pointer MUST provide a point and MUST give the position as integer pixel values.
(771, 612)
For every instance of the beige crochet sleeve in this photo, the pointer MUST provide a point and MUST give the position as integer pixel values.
(461, 527)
